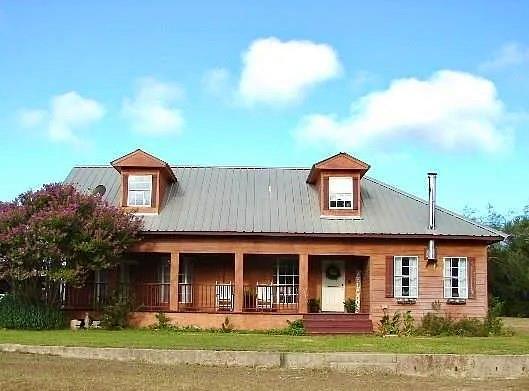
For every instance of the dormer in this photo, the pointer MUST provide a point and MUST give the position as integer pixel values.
(144, 181)
(338, 180)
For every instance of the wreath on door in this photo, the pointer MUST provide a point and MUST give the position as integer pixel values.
(332, 272)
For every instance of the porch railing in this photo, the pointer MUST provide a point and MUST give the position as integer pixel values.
(271, 298)
(217, 297)
(93, 296)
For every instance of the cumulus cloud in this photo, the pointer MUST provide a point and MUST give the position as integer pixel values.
(509, 55)
(153, 109)
(280, 72)
(67, 113)
(450, 110)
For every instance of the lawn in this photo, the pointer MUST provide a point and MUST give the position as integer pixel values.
(139, 338)
(33, 372)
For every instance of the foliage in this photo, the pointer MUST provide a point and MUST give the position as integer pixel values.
(314, 305)
(17, 313)
(509, 261)
(295, 327)
(350, 305)
(58, 235)
(162, 322)
(116, 313)
(398, 324)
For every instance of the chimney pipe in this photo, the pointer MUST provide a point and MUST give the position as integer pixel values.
(432, 189)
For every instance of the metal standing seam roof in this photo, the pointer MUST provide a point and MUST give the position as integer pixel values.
(277, 201)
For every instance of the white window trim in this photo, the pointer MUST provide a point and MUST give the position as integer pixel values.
(447, 279)
(288, 291)
(145, 205)
(351, 193)
(398, 275)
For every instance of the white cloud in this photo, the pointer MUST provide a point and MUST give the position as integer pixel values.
(280, 72)
(450, 110)
(509, 55)
(66, 114)
(152, 110)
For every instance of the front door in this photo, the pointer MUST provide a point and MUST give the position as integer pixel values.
(332, 285)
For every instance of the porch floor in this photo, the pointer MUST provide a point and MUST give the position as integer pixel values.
(337, 323)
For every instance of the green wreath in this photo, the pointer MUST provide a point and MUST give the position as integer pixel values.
(332, 272)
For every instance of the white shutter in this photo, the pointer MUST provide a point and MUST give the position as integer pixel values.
(447, 280)
(463, 278)
(397, 280)
(414, 281)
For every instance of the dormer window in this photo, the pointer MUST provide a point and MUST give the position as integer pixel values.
(139, 190)
(340, 193)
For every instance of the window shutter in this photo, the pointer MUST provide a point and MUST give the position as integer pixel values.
(447, 280)
(472, 277)
(356, 198)
(414, 280)
(125, 186)
(154, 189)
(325, 184)
(389, 276)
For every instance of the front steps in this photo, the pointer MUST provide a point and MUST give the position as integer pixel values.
(337, 323)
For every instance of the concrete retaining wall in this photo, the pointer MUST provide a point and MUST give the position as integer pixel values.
(464, 366)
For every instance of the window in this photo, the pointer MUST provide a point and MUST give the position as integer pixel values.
(340, 193)
(455, 278)
(405, 276)
(139, 190)
(100, 285)
(164, 281)
(286, 277)
(185, 293)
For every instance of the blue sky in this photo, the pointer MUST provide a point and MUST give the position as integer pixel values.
(406, 86)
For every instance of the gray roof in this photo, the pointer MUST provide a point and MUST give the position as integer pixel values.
(277, 201)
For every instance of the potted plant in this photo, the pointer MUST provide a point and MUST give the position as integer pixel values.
(350, 305)
(314, 305)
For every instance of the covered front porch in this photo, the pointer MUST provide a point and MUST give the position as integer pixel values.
(199, 282)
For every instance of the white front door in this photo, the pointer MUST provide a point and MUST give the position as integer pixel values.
(332, 285)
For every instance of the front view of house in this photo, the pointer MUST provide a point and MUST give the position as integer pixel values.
(265, 245)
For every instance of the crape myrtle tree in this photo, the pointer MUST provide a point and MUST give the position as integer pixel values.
(58, 235)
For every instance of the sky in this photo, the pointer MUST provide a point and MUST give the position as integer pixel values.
(408, 87)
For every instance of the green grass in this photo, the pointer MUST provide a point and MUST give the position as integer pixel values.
(142, 338)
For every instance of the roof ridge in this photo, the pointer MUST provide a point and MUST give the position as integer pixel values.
(437, 207)
(199, 166)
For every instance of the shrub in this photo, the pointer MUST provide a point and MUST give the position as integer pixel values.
(390, 325)
(116, 312)
(16, 313)
(295, 327)
(350, 305)
(162, 322)
(435, 325)
(226, 326)
(408, 324)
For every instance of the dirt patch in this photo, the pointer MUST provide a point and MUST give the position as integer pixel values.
(29, 372)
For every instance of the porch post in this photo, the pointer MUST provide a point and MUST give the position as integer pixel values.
(303, 295)
(239, 282)
(173, 282)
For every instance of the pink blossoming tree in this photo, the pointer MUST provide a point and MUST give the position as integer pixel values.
(59, 235)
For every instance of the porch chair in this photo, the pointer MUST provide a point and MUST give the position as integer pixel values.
(263, 299)
(223, 296)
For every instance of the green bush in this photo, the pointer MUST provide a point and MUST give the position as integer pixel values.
(350, 305)
(116, 313)
(435, 325)
(16, 313)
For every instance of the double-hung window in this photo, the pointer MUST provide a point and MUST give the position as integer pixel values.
(406, 278)
(456, 278)
(139, 190)
(286, 277)
(340, 193)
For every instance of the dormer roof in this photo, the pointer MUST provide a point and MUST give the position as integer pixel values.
(338, 162)
(142, 159)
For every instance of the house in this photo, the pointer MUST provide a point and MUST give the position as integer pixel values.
(266, 245)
